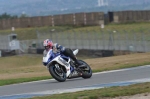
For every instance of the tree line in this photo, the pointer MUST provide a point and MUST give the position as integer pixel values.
(8, 16)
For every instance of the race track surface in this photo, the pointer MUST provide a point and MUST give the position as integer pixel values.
(98, 80)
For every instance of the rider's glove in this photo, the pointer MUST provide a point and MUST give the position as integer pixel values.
(62, 49)
(59, 47)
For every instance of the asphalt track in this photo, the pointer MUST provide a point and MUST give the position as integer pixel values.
(98, 80)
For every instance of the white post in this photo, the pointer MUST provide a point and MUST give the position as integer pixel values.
(102, 26)
(84, 18)
(0, 53)
(74, 19)
(53, 24)
(13, 29)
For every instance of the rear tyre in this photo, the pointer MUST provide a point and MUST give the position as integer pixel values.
(59, 75)
(86, 71)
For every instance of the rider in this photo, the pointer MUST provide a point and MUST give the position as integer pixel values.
(48, 44)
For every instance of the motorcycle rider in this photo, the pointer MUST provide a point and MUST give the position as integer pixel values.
(48, 44)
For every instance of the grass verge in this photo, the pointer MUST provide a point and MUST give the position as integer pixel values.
(21, 80)
(105, 93)
(23, 33)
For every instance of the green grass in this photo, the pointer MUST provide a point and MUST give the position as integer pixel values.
(20, 60)
(21, 80)
(104, 93)
(31, 33)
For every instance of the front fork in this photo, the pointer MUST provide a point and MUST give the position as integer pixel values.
(56, 65)
(58, 68)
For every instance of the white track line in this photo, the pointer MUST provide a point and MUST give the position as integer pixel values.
(146, 66)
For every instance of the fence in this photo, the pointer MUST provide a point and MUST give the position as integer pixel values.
(91, 18)
(91, 40)
(77, 19)
(99, 40)
(130, 16)
(4, 42)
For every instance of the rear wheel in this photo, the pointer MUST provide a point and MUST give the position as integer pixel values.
(86, 71)
(57, 72)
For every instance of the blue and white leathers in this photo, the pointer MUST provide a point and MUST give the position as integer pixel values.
(51, 57)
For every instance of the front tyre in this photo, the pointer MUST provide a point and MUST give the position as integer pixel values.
(86, 71)
(57, 72)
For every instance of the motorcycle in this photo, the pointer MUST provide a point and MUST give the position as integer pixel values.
(62, 67)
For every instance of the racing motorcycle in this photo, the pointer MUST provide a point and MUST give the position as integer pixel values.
(62, 67)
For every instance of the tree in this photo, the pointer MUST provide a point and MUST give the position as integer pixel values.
(23, 15)
(7, 16)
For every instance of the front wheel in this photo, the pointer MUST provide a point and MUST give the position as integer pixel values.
(86, 71)
(57, 72)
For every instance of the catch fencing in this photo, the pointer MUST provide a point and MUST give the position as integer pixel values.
(99, 40)
(91, 40)
(4, 42)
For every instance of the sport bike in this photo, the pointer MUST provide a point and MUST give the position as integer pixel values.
(62, 67)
